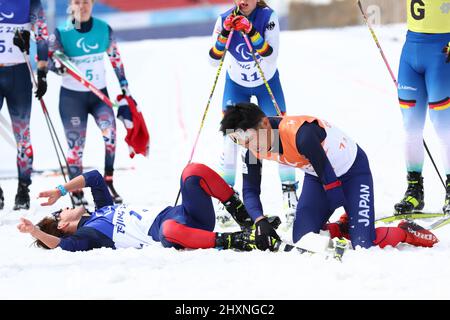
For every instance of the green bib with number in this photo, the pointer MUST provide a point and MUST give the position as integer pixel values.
(78, 44)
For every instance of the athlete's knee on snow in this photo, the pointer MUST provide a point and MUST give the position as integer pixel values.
(303, 227)
(365, 240)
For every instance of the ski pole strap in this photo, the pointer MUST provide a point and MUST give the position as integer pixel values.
(62, 190)
(332, 185)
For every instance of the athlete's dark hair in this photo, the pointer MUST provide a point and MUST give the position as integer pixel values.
(48, 225)
(262, 4)
(242, 116)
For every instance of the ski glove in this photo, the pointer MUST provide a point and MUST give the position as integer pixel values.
(42, 83)
(335, 195)
(265, 235)
(446, 50)
(228, 23)
(22, 40)
(241, 23)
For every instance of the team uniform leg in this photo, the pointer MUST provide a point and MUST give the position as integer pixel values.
(437, 77)
(178, 235)
(73, 109)
(413, 98)
(2, 97)
(200, 183)
(192, 226)
(105, 120)
(357, 184)
(313, 210)
(18, 98)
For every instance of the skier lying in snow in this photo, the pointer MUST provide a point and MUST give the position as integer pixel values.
(337, 174)
(188, 225)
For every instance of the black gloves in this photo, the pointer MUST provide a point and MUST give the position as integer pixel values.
(41, 83)
(22, 40)
(265, 235)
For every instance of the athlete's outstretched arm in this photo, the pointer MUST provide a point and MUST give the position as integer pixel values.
(92, 179)
(116, 61)
(26, 226)
(54, 194)
(251, 187)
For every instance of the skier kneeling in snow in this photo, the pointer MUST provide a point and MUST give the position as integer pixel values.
(337, 174)
(188, 225)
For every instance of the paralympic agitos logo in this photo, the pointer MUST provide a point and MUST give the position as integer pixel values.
(86, 48)
(4, 16)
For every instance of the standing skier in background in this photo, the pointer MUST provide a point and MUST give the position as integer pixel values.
(243, 79)
(424, 81)
(85, 40)
(17, 19)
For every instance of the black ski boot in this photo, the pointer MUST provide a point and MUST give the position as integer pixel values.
(446, 207)
(237, 210)
(79, 199)
(413, 200)
(242, 241)
(109, 182)
(22, 200)
(2, 200)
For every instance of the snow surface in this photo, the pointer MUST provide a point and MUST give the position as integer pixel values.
(336, 74)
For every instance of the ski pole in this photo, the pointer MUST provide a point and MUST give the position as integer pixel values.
(219, 69)
(50, 126)
(394, 79)
(261, 72)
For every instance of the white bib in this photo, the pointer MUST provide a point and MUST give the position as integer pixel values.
(92, 68)
(9, 53)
